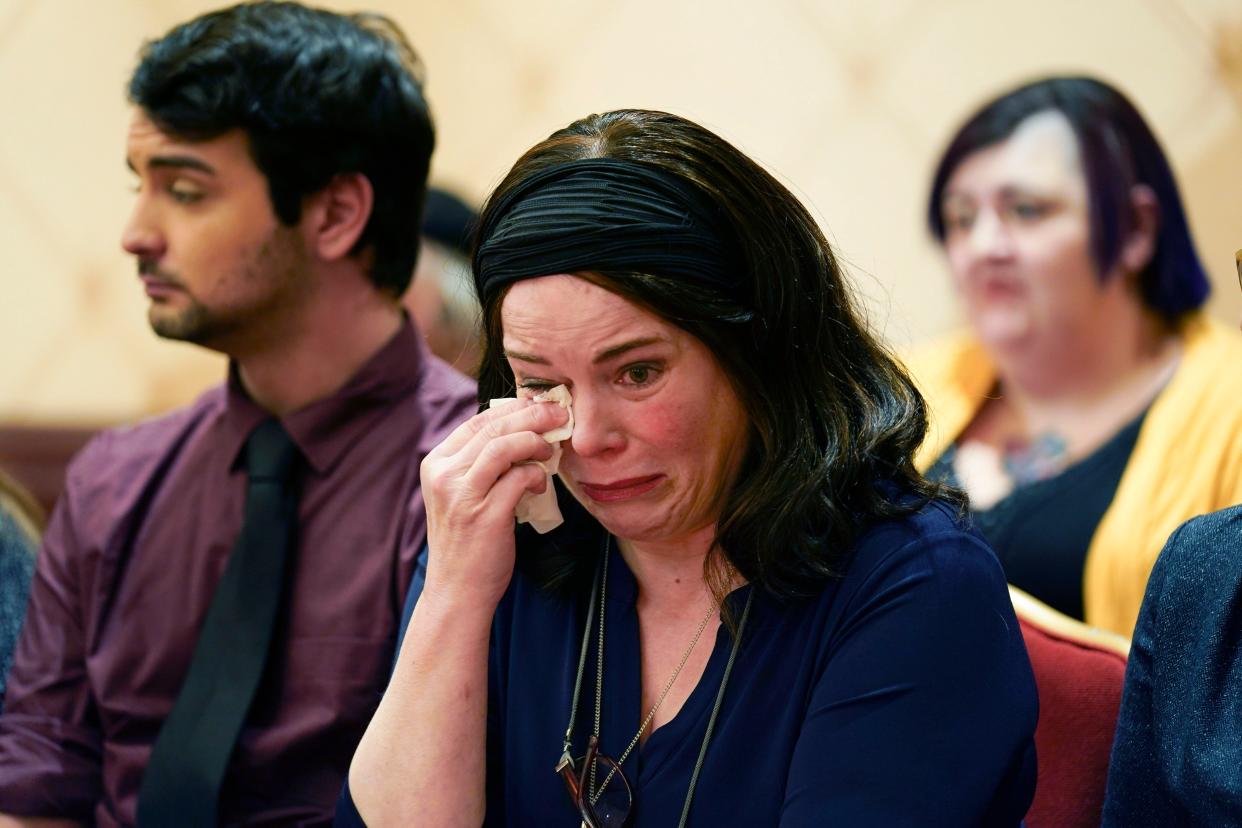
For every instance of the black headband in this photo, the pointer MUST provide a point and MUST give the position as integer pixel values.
(602, 214)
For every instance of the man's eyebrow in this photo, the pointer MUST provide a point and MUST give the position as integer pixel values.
(180, 162)
(603, 356)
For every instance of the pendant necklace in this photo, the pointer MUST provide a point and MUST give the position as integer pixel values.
(600, 592)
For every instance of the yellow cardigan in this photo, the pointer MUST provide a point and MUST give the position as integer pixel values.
(1187, 460)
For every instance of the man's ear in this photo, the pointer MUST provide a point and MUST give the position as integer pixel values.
(1140, 242)
(334, 217)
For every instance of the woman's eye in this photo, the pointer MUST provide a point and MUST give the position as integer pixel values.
(639, 375)
(958, 221)
(1028, 210)
(529, 388)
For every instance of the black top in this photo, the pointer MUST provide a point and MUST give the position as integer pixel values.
(1041, 531)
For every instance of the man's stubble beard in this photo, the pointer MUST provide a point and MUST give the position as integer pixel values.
(276, 262)
(192, 324)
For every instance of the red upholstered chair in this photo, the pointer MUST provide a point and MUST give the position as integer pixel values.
(1079, 671)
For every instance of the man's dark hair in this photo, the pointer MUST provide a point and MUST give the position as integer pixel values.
(319, 94)
(1118, 151)
(835, 420)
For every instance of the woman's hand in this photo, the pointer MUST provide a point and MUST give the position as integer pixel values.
(422, 760)
(471, 484)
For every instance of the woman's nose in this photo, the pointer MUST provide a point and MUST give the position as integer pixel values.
(596, 427)
(989, 237)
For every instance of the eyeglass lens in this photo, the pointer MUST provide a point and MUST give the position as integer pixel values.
(609, 807)
(610, 803)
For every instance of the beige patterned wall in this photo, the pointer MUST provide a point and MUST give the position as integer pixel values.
(848, 101)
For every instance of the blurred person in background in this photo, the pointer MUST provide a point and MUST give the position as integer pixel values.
(217, 598)
(441, 296)
(1178, 749)
(1091, 406)
(748, 555)
(21, 525)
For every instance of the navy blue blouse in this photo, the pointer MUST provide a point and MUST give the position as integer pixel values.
(902, 695)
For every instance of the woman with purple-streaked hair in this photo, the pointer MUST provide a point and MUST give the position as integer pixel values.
(1090, 406)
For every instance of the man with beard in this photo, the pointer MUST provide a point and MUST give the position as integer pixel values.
(216, 601)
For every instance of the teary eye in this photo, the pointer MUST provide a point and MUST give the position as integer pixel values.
(639, 375)
(533, 386)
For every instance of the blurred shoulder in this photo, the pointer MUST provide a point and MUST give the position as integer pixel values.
(1196, 582)
(441, 383)
(1204, 550)
(1209, 366)
(953, 373)
(947, 360)
(125, 457)
(935, 539)
(445, 395)
(151, 438)
(1211, 337)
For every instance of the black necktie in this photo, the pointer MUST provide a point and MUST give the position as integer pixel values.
(181, 785)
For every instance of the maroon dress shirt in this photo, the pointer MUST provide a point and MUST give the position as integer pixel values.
(131, 559)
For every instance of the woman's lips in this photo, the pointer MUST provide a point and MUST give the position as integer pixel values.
(621, 489)
(999, 287)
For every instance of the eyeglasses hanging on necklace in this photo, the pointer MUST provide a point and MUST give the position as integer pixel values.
(608, 805)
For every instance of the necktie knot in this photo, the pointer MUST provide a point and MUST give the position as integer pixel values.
(270, 452)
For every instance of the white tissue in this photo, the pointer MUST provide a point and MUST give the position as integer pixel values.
(540, 510)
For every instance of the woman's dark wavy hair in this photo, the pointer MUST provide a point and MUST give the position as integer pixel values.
(1118, 151)
(318, 94)
(835, 419)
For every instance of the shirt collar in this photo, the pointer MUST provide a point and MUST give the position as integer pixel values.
(324, 429)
